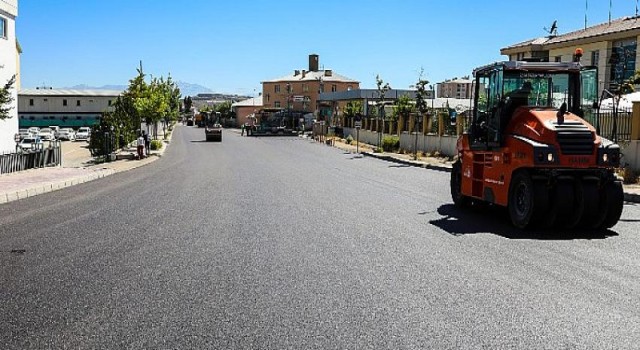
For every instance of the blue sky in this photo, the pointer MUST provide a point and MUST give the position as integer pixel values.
(231, 46)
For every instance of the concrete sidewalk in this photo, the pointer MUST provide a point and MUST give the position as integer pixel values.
(631, 192)
(29, 183)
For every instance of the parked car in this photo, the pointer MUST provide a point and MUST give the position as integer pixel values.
(66, 134)
(30, 143)
(56, 131)
(34, 131)
(84, 133)
(47, 134)
(23, 133)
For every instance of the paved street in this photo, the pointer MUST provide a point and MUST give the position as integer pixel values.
(283, 243)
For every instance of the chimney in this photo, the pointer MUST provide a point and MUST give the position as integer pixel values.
(304, 72)
(314, 62)
(296, 72)
(328, 72)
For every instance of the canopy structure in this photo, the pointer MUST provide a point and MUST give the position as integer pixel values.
(626, 101)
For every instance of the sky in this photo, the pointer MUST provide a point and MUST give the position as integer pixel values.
(232, 46)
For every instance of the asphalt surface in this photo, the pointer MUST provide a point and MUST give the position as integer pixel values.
(283, 243)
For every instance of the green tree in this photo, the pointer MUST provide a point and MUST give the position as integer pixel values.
(403, 107)
(421, 96)
(6, 98)
(353, 108)
(188, 103)
(382, 91)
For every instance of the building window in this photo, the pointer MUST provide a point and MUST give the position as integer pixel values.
(305, 88)
(3, 28)
(349, 88)
(622, 60)
(520, 56)
(276, 104)
(595, 57)
(276, 88)
(109, 102)
(30, 102)
(334, 88)
(268, 97)
(78, 103)
(558, 58)
(64, 103)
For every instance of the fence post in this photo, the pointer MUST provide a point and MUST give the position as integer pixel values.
(440, 124)
(635, 121)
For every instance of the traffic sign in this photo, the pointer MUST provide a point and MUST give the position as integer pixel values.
(358, 124)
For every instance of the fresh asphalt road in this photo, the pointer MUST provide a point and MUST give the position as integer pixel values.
(282, 243)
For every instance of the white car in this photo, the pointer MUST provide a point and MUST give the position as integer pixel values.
(34, 131)
(66, 134)
(83, 133)
(56, 130)
(24, 133)
(30, 143)
(47, 134)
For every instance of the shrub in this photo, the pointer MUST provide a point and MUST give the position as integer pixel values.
(390, 143)
(349, 140)
(155, 145)
(377, 150)
(629, 175)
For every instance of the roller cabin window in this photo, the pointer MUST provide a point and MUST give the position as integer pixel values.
(546, 89)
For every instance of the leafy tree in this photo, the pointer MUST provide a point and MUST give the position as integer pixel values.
(188, 103)
(353, 108)
(6, 98)
(225, 109)
(154, 103)
(403, 107)
(382, 91)
(421, 95)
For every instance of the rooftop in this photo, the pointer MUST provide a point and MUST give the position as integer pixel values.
(255, 101)
(326, 75)
(69, 92)
(615, 26)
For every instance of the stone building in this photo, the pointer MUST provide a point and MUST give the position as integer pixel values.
(299, 91)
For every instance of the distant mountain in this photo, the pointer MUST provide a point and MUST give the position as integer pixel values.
(104, 87)
(186, 89)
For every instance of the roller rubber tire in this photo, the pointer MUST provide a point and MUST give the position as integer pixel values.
(614, 199)
(459, 200)
(521, 199)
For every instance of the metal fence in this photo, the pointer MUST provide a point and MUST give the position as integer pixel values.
(31, 159)
(615, 126)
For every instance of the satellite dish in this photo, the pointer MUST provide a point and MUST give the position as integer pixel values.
(553, 31)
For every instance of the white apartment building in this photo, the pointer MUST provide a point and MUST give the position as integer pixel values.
(8, 68)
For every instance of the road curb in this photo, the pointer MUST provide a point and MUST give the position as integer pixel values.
(98, 174)
(407, 162)
(53, 186)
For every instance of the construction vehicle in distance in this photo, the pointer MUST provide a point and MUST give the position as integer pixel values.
(212, 127)
(529, 149)
(200, 118)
